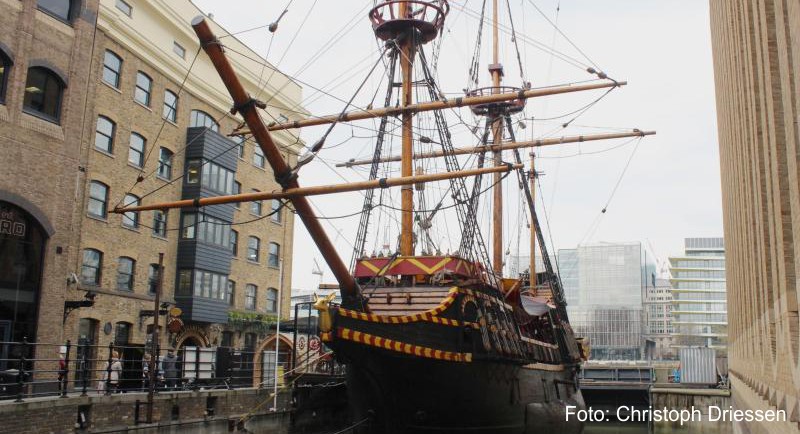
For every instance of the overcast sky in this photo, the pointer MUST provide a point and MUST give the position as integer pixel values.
(671, 189)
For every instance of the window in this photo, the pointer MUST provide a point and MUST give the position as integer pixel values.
(170, 111)
(237, 188)
(255, 206)
(179, 50)
(144, 85)
(258, 157)
(98, 199)
(230, 293)
(239, 146)
(122, 333)
(250, 341)
(104, 134)
(184, 283)
(276, 210)
(5, 66)
(112, 68)
(92, 267)
(131, 218)
(207, 229)
(57, 8)
(274, 255)
(253, 244)
(234, 243)
(206, 284)
(165, 163)
(124, 7)
(227, 340)
(160, 223)
(272, 300)
(136, 151)
(210, 175)
(250, 296)
(202, 119)
(125, 271)
(152, 279)
(43, 92)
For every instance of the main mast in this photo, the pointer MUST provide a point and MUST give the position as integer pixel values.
(496, 70)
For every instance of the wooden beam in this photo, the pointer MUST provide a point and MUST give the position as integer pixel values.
(302, 192)
(507, 146)
(439, 105)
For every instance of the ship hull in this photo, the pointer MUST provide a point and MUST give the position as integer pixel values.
(406, 394)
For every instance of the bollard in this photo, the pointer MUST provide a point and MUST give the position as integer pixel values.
(21, 369)
(63, 373)
(108, 368)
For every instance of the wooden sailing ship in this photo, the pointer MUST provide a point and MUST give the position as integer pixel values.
(434, 342)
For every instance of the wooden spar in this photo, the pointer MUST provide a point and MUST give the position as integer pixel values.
(246, 106)
(508, 146)
(407, 53)
(439, 105)
(301, 192)
(497, 134)
(532, 269)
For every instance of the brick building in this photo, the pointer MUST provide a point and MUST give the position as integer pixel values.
(141, 116)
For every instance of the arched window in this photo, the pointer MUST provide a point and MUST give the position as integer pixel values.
(250, 292)
(152, 279)
(272, 300)
(104, 137)
(92, 267)
(136, 151)
(122, 334)
(61, 9)
(144, 85)
(202, 119)
(126, 268)
(5, 68)
(253, 244)
(98, 199)
(43, 92)
(274, 258)
(130, 219)
(165, 163)
(170, 106)
(112, 68)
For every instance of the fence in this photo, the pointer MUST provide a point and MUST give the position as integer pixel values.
(36, 369)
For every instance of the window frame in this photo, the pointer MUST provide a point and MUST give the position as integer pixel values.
(233, 239)
(134, 215)
(98, 269)
(256, 206)
(197, 115)
(170, 112)
(132, 151)
(179, 50)
(250, 248)
(109, 139)
(272, 302)
(93, 199)
(277, 211)
(160, 225)
(250, 299)
(276, 255)
(152, 279)
(129, 12)
(230, 292)
(258, 154)
(162, 163)
(66, 19)
(117, 73)
(50, 77)
(148, 92)
(6, 63)
(131, 275)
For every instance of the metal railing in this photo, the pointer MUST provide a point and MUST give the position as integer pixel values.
(37, 369)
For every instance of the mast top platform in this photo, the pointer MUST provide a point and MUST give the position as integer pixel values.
(427, 17)
(501, 107)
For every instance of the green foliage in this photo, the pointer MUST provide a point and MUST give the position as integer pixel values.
(251, 321)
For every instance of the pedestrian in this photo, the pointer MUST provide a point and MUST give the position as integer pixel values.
(62, 372)
(109, 381)
(146, 366)
(170, 367)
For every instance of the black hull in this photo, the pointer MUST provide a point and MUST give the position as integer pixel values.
(407, 394)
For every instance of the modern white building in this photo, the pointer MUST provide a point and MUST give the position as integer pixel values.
(658, 321)
(700, 313)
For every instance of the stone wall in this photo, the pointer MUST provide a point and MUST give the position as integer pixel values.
(756, 45)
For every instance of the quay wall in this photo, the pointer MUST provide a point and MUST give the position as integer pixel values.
(198, 412)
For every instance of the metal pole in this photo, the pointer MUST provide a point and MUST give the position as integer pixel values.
(278, 334)
(155, 338)
(65, 372)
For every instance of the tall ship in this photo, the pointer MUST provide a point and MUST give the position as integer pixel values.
(434, 339)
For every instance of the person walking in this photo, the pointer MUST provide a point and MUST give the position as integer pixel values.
(109, 381)
(146, 367)
(170, 367)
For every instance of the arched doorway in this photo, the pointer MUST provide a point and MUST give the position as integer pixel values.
(264, 364)
(22, 243)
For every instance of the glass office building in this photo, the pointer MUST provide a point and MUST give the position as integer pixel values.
(700, 313)
(604, 285)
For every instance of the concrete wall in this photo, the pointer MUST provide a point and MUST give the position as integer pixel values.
(756, 46)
